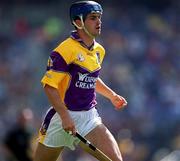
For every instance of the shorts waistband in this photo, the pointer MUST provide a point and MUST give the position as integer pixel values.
(82, 109)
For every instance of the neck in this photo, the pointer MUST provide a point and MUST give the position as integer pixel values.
(88, 40)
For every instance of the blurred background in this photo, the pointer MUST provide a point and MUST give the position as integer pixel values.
(142, 63)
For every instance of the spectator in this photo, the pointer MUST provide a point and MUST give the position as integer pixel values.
(17, 140)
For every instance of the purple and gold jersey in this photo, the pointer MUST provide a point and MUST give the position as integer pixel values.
(73, 69)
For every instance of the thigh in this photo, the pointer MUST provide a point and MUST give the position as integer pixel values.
(44, 153)
(104, 140)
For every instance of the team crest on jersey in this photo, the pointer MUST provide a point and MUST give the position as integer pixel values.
(80, 57)
(98, 57)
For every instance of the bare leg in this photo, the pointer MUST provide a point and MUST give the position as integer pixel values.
(104, 140)
(44, 153)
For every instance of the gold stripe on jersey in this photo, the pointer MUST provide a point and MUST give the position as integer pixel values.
(53, 78)
(73, 52)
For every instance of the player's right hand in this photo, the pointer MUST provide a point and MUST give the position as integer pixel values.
(68, 125)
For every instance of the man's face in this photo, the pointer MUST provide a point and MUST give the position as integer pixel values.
(93, 23)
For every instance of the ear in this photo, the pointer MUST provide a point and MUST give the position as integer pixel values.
(78, 22)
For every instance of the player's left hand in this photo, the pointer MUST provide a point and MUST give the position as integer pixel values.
(118, 101)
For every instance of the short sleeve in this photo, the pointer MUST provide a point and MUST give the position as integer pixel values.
(57, 68)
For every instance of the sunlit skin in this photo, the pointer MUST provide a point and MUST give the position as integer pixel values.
(93, 24)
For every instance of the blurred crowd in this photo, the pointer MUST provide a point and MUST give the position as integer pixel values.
(142, 64)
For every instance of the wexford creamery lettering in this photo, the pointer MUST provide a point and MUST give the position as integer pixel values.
(86, 82)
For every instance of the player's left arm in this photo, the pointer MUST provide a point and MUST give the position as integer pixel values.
(117, 100)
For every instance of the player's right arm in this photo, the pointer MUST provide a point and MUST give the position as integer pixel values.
(54, 98)
(57, 70)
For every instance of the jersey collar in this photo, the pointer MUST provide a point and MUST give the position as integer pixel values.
(75, 36)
